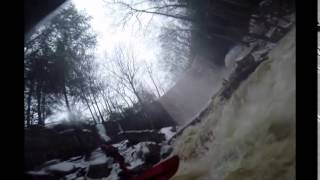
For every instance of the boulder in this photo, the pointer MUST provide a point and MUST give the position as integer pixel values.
(153, 156)
(99, 170)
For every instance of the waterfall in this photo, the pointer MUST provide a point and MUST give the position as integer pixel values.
(252, 135)
(102, 132)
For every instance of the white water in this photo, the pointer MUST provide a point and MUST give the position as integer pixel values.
(102, 132)
(252, 135)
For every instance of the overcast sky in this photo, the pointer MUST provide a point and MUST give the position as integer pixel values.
(105, 21)
(141, 38)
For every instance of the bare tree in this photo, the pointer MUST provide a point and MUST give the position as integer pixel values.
(156, 84)
(125, 70)
(175, 10)
(89, 107)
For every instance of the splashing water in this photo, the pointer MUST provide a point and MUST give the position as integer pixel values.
(252, 135)
(102, 132)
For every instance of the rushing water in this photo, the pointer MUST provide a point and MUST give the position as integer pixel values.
(252, 135)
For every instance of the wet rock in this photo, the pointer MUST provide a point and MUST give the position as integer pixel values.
(99, 170)
(165, 151)
(153, 156)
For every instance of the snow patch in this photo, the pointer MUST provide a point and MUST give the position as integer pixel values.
(61, 167)
(98, 157)
(237, 53)
(86, 130)
(40, 172)
(135, 155)
(114, 172)
(137, 131)
(167, 131)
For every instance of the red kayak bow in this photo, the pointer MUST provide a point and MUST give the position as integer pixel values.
(162, 171)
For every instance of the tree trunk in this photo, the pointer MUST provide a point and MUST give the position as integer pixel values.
(135, 92)
(109, 106)
(134, 10)
(66, 96)
(144, 109)
(106, 101)
(43, 108)
(154, 84)
(87, 103)
(29, 102)
(95, 111)
(95, 101)
(125, 100)
(32, 117)
(40, 121)
(113, 105)
(123, 97)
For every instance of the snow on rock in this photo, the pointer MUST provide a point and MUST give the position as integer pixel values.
(97, 165)
(100, 166)
(121, 146)
(53, 161)
(167, 131)
(71, 176)
(134, 155)
(75, 158)
(234, 54)
(79, 162)
(98, 157)
(238, 53)
(136, 131)
(40, 172)
(264, 47)
(86, 130)
(248, 136)
(61, 167)
(69, 169)
(114, 173)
